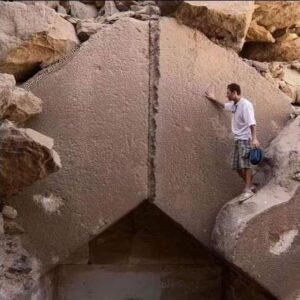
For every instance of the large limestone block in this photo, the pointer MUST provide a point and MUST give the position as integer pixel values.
(96, 109)
(262, 236)
(193, 143)
(25, 157)
(226, 22)
(285, 50)
(16, 104)
(32, 36)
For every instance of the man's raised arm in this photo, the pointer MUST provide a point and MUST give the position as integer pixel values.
(211, 97)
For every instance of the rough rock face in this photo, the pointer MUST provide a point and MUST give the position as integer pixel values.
(101, 133)
(226, 22)
(285, 76)
(286, 50)
(277, 25)
(16, 104)
(193, 140)
(18, 270)
(25, 157)
(270, 218)
(32, 36)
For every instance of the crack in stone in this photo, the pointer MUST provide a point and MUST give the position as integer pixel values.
(154, 76)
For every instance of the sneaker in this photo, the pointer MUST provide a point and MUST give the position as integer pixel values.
(245, 196)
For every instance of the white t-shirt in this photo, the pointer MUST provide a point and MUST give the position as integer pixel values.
(242, 118)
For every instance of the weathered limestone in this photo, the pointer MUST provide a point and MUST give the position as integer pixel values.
(275, 15)
(16, 104)
(18, 270)
(26, 156)
(225, 22)
(257, 33)
(82, 11)
(86, 28)
(98, 117)
(193, 141)
(32, 36)
(286, 50)
(261, 236)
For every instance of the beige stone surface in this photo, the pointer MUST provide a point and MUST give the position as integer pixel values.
(32, 36)
(24, 159)
(224, 21)
(82, 11)
(193, 142)
(261, 236)
(98, 117)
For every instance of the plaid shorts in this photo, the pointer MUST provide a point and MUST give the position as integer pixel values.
(240, 156)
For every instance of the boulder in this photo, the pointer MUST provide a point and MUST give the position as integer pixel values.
(261, 236)
(26, 156)
(226, 22)
(16, 104)
(276, 14)
(286, 50)
(168, 7)
(9, 212)
(31, 37)
(51, 4)
(86, 28)
(257, 33)
(82, 11)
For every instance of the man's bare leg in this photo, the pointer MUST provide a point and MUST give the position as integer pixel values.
(241, 172)
(248, 179)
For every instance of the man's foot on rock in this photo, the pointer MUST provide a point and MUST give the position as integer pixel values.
(245, 196)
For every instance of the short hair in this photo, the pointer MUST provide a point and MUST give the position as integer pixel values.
(233, 87)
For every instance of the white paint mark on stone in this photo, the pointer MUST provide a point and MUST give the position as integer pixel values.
(284, 243)
(51, 204)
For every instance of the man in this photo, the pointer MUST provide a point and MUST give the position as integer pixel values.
(243, 126)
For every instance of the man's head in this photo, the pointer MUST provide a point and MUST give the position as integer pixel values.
(233, 92)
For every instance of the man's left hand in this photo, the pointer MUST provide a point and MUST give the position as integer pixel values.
(255, 143)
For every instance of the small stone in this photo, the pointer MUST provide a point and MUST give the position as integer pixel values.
(13, 228)
(9, 212)
(260, 66)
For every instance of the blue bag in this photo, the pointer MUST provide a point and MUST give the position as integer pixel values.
(255, 156)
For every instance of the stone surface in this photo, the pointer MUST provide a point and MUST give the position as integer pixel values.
(82, 11)
(281, 51)
(257, 33)
(86, 28)
(16, 104)
(277, 14)
(261, 236)
(9, 212)
(168, 7)
(24, 158)
(226, 22)
(98, 117)
(13, 228)
(18, 270)
(32, 36)
(193, 142)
